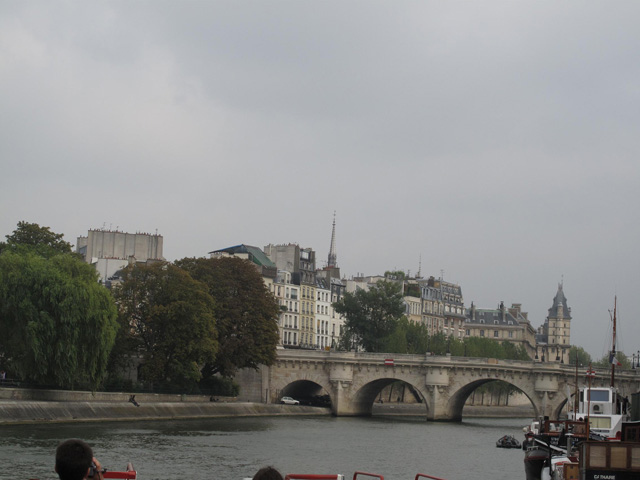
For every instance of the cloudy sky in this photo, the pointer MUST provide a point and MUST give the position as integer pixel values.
(497, 142)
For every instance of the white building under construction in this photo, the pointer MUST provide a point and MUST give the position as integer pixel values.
(112, 250)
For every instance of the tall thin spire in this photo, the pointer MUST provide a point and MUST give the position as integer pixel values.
(332, 261)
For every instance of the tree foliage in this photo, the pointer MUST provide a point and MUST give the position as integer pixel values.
(58, 323)
(371, 315)
(171, 322)
(579, 353)
(413, 338)
(604, 362)
(408, 337)
(246, 312)
(34, 237)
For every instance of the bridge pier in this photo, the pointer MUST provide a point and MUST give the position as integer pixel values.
(343, 401)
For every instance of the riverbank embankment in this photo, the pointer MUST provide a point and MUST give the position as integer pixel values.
(23, 406)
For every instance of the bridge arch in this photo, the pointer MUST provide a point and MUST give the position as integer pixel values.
(366, 394)
(303, 390)
(459, 397)
(304, 386)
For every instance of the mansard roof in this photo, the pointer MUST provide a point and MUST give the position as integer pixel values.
(560, 300)
(431, 293)
(493, 317)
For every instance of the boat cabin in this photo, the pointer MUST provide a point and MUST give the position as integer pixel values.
(604, 408)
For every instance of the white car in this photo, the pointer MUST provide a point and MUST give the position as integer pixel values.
(289, 401)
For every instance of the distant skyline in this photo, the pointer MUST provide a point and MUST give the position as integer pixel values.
(497, 141)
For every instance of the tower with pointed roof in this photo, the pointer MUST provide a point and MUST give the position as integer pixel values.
(555, 338)
(332, 260)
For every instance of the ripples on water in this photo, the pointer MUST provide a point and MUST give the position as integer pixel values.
(235, 448)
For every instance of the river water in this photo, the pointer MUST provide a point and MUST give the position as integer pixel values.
(235, 448)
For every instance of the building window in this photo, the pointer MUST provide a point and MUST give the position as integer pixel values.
(482, 333)
(495, 333)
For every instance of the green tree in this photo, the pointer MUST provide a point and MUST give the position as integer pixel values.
(581, 354)
(513, 352)
(408, 337)
(438, 343)
(396, 342)
(605, 362)
(33, 236)
(171, 323)
(246, 312)
(58, 323)
(371, 315)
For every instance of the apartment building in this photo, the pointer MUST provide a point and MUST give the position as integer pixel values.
(323, 314)
(501, 324)
(301, 264)
(288, 296)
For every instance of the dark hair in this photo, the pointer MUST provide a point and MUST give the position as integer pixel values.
(73, 459)
(267, 473)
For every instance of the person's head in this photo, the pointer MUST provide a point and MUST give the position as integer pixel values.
(267, 473)
(73, 459)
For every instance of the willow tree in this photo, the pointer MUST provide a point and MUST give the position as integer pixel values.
(246, 312)
(57, 323)
(169, 319)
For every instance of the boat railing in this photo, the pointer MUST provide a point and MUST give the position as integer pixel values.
(128, 475)
(365, 474)
(423, 475)
(306, 476)
(556, 428)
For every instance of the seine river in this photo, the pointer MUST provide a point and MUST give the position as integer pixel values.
(235, 448)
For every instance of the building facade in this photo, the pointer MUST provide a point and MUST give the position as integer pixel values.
(288, 297)
(111, 250)
(301, 264)
(501, 324)
(554, 336)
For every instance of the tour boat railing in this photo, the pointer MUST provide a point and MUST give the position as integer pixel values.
(422, 475)
(306, 476)
(121, 475)
(365, 474)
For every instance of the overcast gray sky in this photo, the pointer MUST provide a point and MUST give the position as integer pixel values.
(497, 141)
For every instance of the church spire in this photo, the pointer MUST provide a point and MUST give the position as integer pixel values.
(332, 261)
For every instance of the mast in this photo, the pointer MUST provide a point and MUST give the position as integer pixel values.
(575, 395)
(612, 357)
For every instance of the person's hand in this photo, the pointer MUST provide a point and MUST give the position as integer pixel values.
(98, 475)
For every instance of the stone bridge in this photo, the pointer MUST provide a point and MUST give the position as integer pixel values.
(353, 380)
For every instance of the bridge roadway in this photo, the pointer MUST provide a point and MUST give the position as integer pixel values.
(353, 380)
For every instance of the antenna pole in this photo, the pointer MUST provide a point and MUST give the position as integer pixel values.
(575, 395)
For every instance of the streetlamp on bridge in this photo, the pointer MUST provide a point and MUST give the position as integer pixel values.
(635, 360)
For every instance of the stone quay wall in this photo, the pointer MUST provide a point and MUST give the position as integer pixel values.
(24, 406)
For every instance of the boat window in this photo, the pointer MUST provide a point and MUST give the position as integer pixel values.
(600, 422)
(599, 395)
